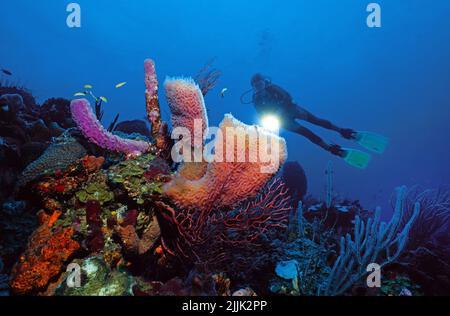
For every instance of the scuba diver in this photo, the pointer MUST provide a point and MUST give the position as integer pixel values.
(271, 100)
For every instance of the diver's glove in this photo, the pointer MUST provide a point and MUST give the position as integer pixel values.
(336, 150)
(347, 133)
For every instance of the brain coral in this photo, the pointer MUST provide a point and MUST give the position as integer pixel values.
(58, 156)
(226, 183)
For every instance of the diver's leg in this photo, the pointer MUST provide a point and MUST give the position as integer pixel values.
(297, 128)
(303, 114)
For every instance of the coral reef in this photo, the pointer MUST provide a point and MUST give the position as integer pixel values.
(95, 191)
(373, 241)
(132, 176)
(399, 285)
(311, 246)
(26, 130)
(44, 259)
(135, 245)
(98, 280)
(140, 224)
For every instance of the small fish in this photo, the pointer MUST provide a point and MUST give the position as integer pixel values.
(88, 86)
(7, 72)
(222, 92)
(104, 99)
(79, 94)
(120, 84)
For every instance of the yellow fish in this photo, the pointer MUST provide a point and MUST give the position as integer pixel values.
(120, 84)
(104, 99)
(79, 94)
(88, 86)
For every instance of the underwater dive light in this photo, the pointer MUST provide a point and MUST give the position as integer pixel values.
(270, 122)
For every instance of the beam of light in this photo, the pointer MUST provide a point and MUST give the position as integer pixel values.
(270, 123)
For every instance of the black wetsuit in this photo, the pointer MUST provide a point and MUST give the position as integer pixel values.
(274, 100)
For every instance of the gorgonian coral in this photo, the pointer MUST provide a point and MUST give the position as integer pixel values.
(433, 219)
(209, 239)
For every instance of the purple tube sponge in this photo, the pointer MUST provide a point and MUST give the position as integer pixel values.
(93, 130)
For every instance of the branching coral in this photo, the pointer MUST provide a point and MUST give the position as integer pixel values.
(92, 129)
(373, 242)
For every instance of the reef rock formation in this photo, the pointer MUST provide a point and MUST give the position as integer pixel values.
(134, 126)
(295, 178)
(57, 111)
